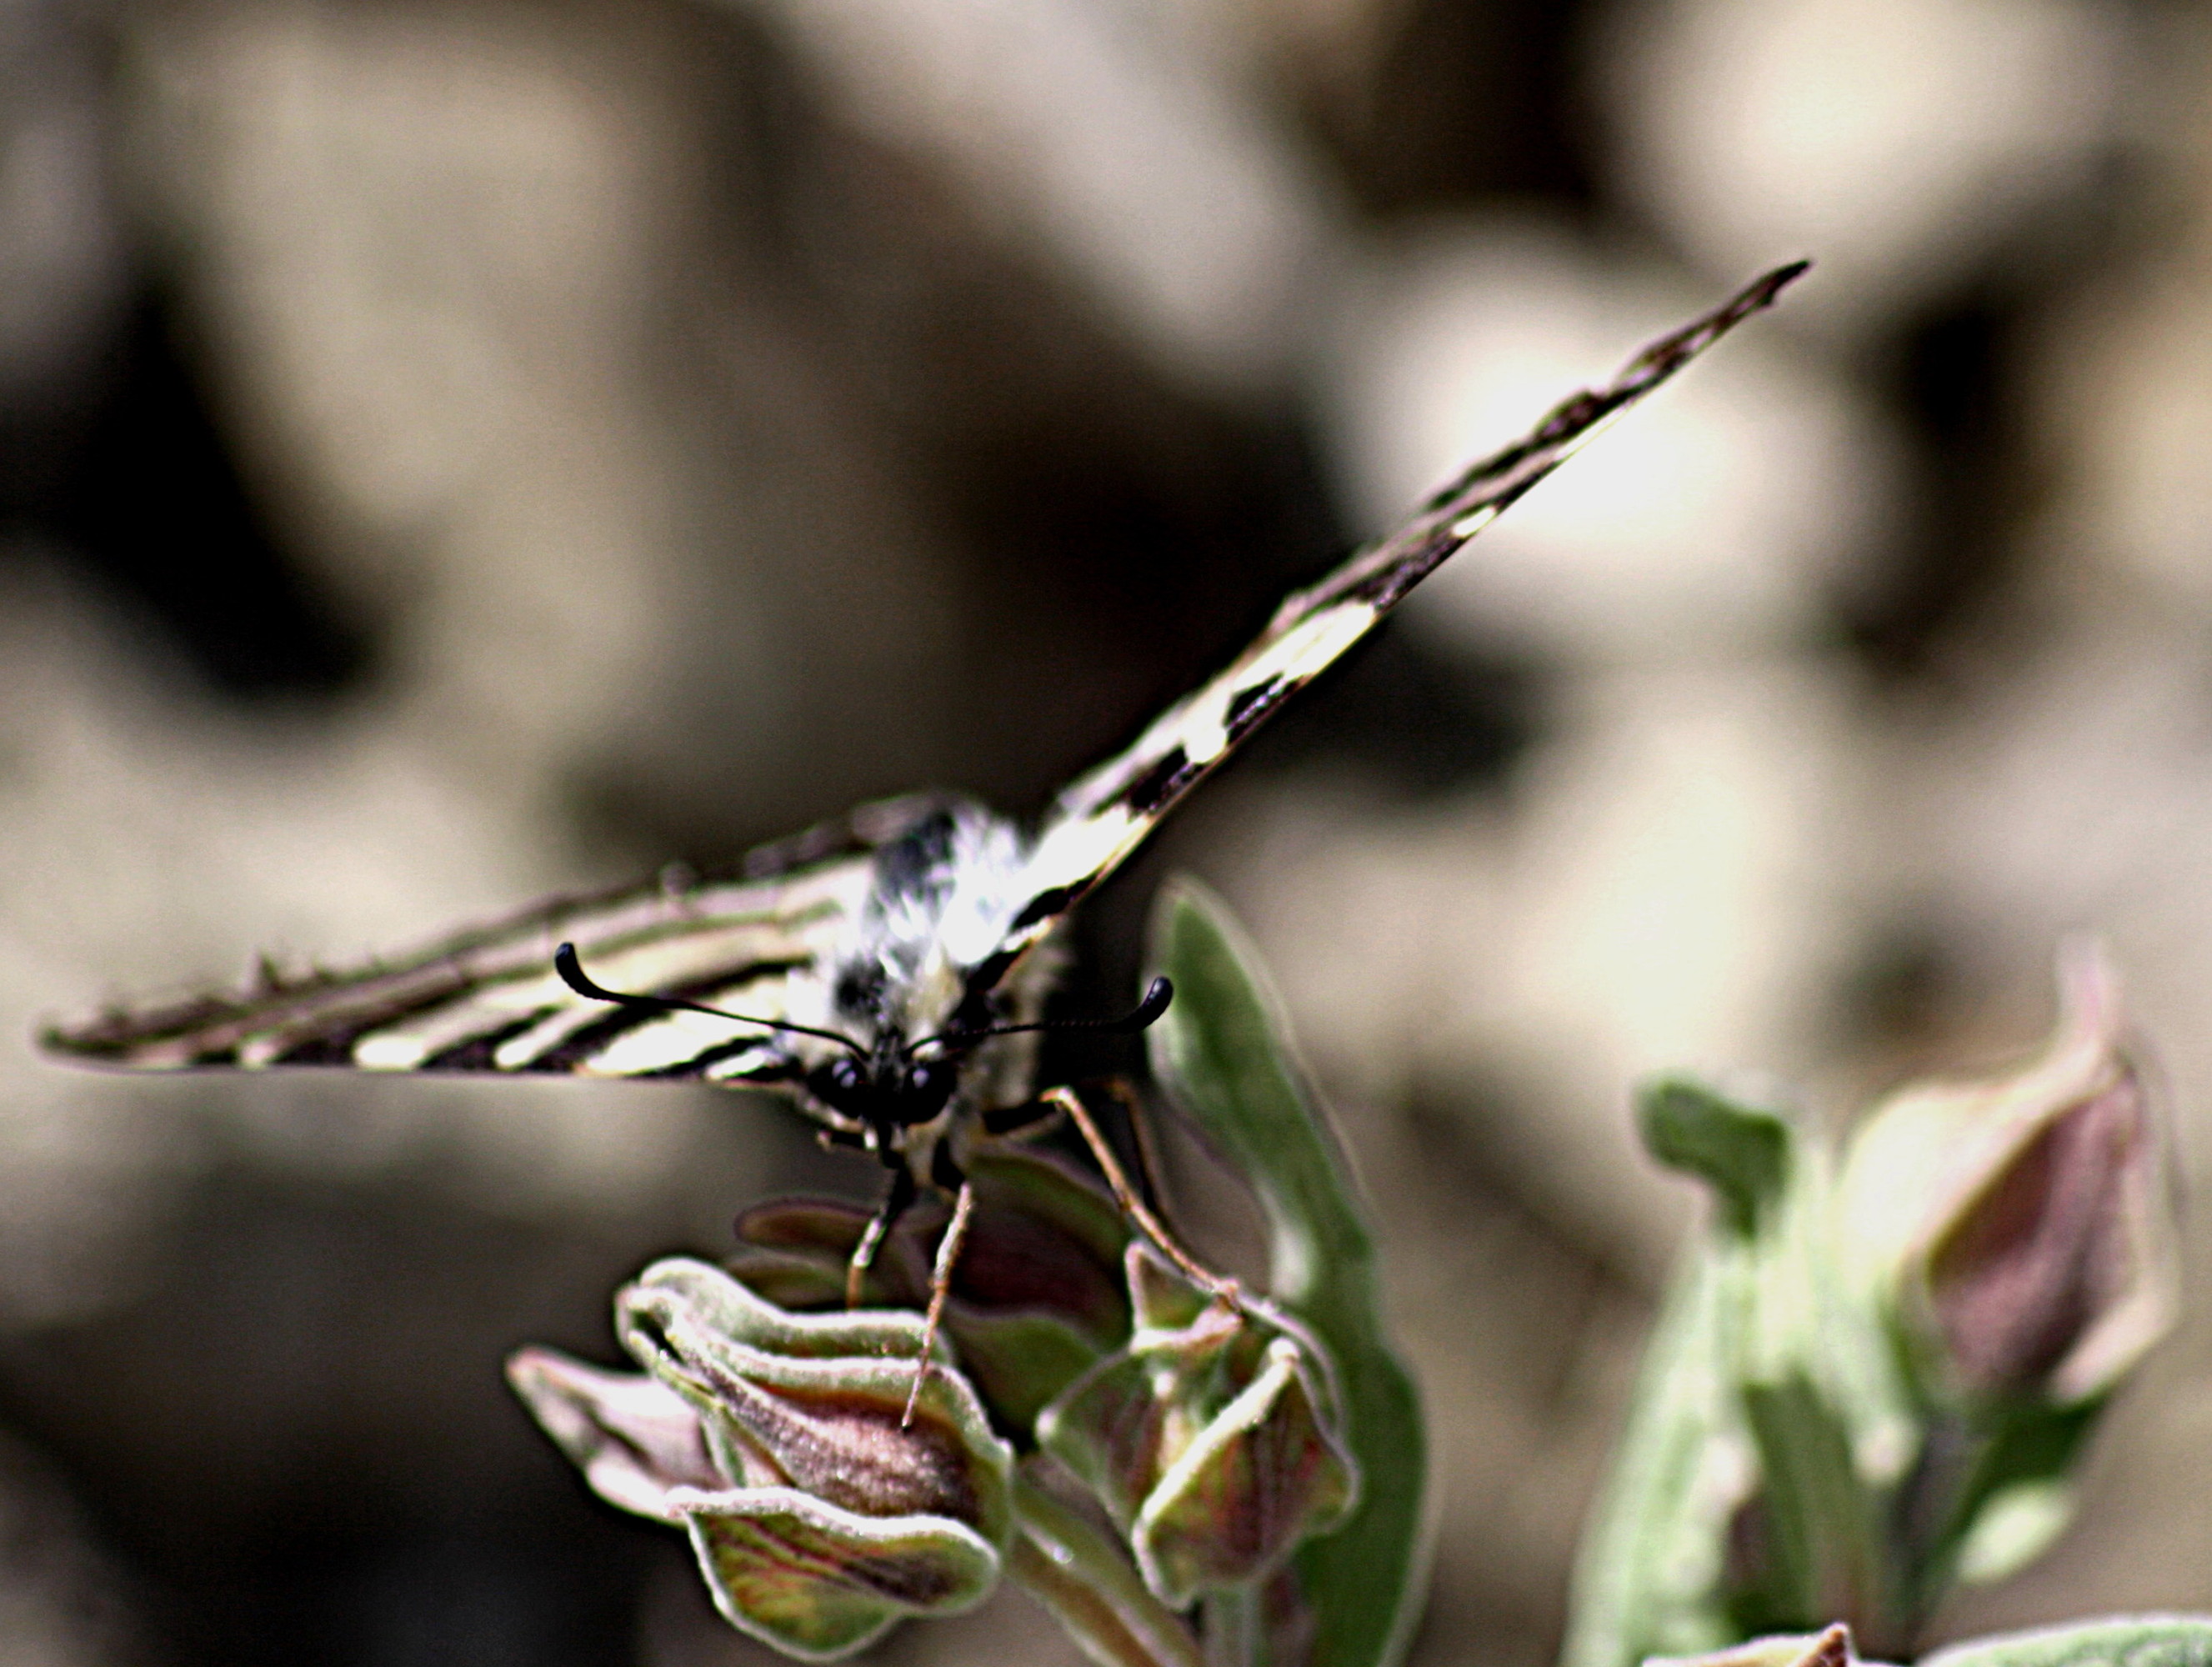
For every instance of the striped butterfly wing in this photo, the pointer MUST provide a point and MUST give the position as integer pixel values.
(778, 943)
(763, 945)
(1103, 815)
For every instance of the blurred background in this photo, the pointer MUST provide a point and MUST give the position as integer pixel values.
(454, 450)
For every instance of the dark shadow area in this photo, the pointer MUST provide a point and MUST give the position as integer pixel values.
(1466, 101)
(139, 486)
(299, 1446)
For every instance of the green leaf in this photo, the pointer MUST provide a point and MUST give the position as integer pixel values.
(1650, 1576)
(2015, 1499)
(1741, 1151)
(2014, 1526)
(1741, 1497)
(2162, 1640)
(1829, 1647)
(1222, 1052)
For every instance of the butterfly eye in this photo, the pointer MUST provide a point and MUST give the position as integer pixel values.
(929, 1085)
(840, 1083)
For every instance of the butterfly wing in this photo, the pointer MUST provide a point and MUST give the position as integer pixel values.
(763, 944)
(784, 940)
(1105, 814)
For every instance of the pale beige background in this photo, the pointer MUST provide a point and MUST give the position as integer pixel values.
(700, 417)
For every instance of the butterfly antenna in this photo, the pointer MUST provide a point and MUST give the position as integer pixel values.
(572, 975)
(1139, 1018)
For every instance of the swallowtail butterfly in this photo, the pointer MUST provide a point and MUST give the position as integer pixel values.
(886, 971)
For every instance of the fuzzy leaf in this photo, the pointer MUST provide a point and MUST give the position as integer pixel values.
(1741, 1497)
(2126, 1640)
(1829, 1647)
(1650, 1577)
(1223, 1053)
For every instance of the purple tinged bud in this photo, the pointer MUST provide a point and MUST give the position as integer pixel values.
(1036, 1295)
(2020, 1229)
(820, 1515)
(1211, 1439)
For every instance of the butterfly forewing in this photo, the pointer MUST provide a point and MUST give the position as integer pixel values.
(1106, 813)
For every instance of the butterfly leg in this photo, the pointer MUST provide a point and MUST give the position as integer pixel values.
(1144, 1144)
(1025, 1121)
(1150, 1225)
(896, 1198)
(1221, 1288)
(941, 1284)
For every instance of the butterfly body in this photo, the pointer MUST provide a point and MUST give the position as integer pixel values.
(887, 970)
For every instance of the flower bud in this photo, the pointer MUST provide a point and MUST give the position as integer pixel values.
(2019, 1230)
(1829, 1648)
(1037, 1292)
(1210, 1438)
(820, 1514)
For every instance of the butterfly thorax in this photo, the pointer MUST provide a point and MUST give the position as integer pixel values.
(902, 986)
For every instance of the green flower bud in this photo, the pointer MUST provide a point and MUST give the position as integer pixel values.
(2018, 1231)
(1211, 1439)
(820, 1515)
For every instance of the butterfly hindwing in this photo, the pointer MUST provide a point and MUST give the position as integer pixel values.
(1106, 813)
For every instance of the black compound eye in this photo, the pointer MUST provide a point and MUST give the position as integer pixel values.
(839, 1084)
(929, 1084)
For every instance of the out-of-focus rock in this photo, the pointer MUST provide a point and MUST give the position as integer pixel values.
(419, 247)
(1900, 142)
(153, 845)
(2122, 379)
(1674, 883)
(1079, 129)
(62, 263)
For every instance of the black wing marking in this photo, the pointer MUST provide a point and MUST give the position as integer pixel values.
(489, 1001)
(1103, 815)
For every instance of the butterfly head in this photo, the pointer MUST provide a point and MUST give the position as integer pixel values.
(884, 1089)
(898, 1084)
(888, 1088)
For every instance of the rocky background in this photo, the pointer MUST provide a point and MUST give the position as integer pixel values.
(452, 450)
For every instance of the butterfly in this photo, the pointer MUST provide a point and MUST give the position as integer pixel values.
(886, 971)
